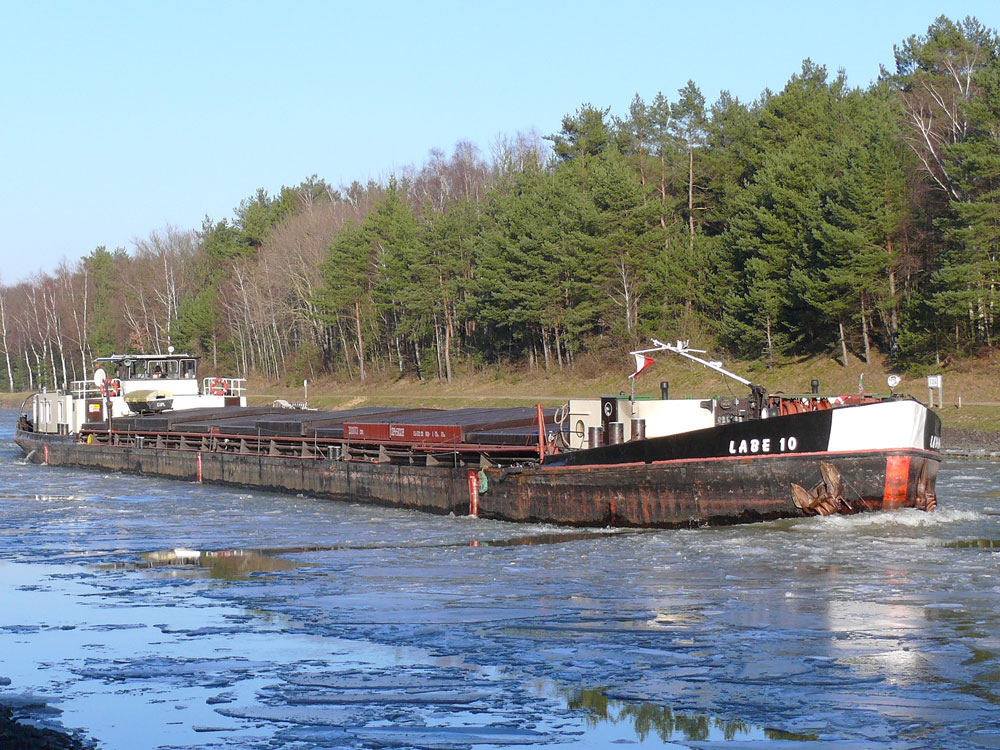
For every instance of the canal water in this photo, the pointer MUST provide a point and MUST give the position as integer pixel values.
(144, 613)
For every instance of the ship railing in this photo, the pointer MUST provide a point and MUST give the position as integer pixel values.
(306, 448)
(84, 389)
(796, 404)
(219, 386)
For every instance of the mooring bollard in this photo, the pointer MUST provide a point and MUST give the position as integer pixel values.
(638, 429)
(594, 437)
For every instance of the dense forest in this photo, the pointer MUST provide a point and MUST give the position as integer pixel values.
(822, 219)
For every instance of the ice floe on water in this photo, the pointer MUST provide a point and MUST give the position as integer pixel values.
(150, 614)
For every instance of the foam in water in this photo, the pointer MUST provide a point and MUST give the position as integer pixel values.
(907, 517)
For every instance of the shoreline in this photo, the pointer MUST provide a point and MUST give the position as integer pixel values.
(964, 442)
(16, 733)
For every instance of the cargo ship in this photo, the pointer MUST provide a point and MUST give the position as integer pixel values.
(610, 461)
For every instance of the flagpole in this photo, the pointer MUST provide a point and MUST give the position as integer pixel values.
(682, 349)
(641, 363)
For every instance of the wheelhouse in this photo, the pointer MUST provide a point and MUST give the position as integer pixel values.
(127, 384)
(129, 367)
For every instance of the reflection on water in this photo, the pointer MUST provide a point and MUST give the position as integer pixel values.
(237, 564)
(227, 565)
(973, 543)
(668, 724)
(32, 496)
(530, 540)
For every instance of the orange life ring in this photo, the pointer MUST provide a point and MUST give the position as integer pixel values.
(110, 388)
(217, 387)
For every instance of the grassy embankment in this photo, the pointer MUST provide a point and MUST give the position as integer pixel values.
(975, 380)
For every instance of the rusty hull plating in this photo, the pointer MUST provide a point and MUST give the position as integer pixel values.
(709, 492)
(672, 493)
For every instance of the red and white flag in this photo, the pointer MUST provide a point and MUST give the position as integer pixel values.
(641, 363)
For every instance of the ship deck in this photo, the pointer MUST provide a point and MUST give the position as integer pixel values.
(459, 437)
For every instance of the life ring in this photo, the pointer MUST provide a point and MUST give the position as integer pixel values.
(217, 387)
(110, 388)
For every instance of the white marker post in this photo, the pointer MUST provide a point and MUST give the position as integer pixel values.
(934, 383)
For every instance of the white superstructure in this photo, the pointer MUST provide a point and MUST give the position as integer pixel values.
(126, 384)
(659, 417)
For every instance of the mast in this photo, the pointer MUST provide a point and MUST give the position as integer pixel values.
(758, 392)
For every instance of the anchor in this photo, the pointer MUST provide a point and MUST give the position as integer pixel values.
(926, 498)
(827, 497)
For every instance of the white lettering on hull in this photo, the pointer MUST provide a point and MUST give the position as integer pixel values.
(748, 447)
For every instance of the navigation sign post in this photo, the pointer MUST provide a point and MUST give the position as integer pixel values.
(934, 384)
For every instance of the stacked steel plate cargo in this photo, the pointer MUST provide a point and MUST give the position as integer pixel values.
(617, 460)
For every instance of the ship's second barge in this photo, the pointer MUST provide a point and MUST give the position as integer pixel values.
(594, 462)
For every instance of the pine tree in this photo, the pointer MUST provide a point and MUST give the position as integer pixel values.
(969, 278)
(344, 299)
(771, 247)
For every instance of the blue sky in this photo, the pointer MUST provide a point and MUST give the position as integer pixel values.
(119, 119)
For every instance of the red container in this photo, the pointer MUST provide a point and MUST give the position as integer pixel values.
(366, 431)
(407, 434)
(412, 434)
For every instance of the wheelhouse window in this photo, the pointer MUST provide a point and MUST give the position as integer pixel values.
(131, 369)
(156, 369)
